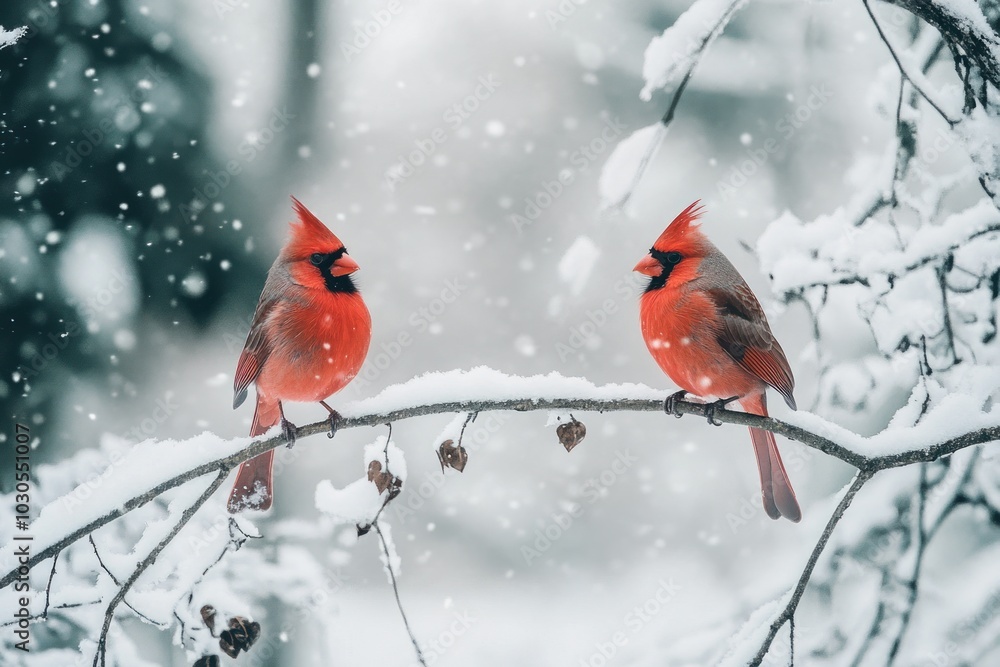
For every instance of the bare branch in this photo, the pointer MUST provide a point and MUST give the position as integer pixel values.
(100, 561)
(48, 586)
(395, 590)
(913, 583)
(789, 612)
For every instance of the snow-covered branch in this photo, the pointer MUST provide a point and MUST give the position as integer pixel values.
(963, 25)
(145, 563)
(145, 473)
(674, 54)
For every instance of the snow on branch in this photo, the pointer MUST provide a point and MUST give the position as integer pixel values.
(961, 23)
(680, 47)
(674, 54)
(825, 252)
(154, 467)
(10, 37)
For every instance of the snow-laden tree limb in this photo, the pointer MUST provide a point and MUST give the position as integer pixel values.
(962, 24)
(674, 54)
(154, 467)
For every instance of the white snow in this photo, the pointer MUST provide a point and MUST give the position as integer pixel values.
(798, 254)
(10, 37)
(482, 383)
(358, 502)
(577, 263)
(743, 646)
(673, 53)
(97, 274)
(194, 284)
(525, 345)
(627, 164)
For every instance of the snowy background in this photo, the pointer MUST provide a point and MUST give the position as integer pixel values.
(512, 97)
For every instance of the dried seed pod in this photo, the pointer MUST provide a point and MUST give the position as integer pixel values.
(384, 480)
(451, 456)
(226, 644)
(571, 433)
(363, 530)
(207, 661)
(379, 478)
(208, 617)
(240, 636)
(247, 631)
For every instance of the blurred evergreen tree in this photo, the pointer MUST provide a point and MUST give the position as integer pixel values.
(102, 126)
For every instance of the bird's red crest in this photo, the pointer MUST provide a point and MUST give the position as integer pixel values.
(309, 235)
(683, 231)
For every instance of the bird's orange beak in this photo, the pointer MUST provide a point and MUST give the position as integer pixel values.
(648, 266)
(344, 266)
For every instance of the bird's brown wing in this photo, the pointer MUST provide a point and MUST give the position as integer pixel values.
(255, 352)
(746, 337)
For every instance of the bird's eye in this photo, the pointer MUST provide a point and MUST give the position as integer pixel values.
(316, 258)
(673, 257)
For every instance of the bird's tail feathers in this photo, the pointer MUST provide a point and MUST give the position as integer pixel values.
(776, 490)
(254, 487)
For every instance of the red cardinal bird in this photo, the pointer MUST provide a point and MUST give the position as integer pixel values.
(706, 330)
(309, 338)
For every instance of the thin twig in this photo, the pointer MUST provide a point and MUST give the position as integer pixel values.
(48, 586)
(395, 590)
(41, 619)
(874, 629)
(100, 561)
(118, 583)
(913, 584)
(471, 417)
(100, 657)
(668, 117)
(233, 544)
(786, 615)
(902, 70)
(941, 272)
